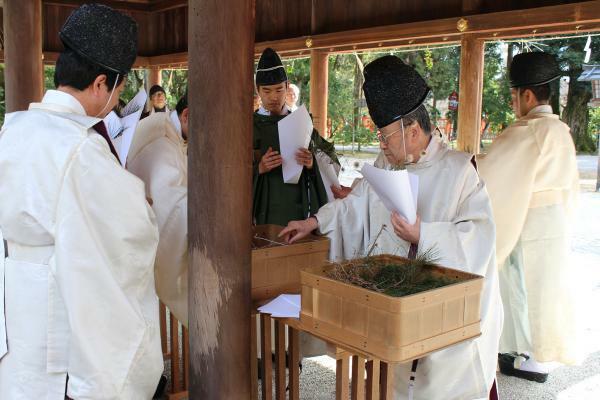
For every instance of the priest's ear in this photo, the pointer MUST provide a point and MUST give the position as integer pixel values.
(185, 115)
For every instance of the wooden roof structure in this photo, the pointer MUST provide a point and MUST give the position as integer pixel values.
(218, 41)
(295, 28)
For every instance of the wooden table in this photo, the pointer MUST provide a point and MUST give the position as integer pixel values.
(376, 386)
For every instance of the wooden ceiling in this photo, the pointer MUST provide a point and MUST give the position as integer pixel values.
(295, 27)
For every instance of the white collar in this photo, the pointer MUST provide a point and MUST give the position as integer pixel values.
(541, 109)
(61, 102)
(264, 111)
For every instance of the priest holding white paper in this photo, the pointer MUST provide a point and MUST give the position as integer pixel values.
(454, 218)
(287, 181)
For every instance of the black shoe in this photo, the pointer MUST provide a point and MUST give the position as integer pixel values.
(507, 367)
(160, 389)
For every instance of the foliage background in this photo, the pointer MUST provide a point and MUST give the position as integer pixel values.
(440, 67)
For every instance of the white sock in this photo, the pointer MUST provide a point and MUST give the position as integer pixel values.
(529, 364)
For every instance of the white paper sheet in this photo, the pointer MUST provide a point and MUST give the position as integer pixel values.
(113, 125)
(294, 134)
(328, 174)
(398, 190)
(132, 112)
(283, 306)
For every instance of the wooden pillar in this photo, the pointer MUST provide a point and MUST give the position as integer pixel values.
(319, 73)
(470, 93)
(23, 68)
(220, 196)
(154, 77)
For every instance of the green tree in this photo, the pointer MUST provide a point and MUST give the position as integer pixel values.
(570, 53)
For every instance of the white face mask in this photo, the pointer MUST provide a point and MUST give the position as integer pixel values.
(110, 97)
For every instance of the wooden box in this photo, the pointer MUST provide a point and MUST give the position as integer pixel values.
(393, 329)
(276, 266)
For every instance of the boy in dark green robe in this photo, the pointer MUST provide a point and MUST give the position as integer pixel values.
(276, 202)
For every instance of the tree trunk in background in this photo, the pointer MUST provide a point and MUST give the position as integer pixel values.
(356, 120)
(509, 57)
(555, 98)
(576, 113)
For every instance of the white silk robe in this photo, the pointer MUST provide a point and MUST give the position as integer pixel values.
(456, 219)
(158, 157)
(532, 178)
(79, 293)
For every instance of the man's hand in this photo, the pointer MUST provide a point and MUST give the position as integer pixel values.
(406, 231)
(340, 192)
(297, 230)
(304, 157)
(271, 159)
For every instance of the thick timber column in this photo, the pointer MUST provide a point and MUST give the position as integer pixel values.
(154, 77)
(470, 93)
(221, 65)
(319, 74)
(23, 68)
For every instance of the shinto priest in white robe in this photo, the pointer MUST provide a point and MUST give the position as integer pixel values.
(456, 219)
(77, 287)
(158, 157)
(532, 178)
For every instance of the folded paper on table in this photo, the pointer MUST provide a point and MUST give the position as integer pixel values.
(283, 306)
(294, 134)
(398, 190)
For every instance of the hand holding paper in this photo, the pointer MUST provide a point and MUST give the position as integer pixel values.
(398, 190)
(294, 134)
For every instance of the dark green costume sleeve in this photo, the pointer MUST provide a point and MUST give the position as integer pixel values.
(276, 202)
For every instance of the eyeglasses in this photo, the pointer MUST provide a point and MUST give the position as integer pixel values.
(384, 138)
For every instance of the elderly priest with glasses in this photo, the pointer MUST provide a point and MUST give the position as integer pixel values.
(454, 217)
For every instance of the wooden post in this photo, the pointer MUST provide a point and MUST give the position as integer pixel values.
(319, 73)
(220, 196)
(154, 77)
(23, 70)
(470, 93)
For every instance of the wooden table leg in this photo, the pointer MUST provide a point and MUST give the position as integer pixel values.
(280, 381)
(162, 312)
(186, 358)
(267, 363)
(294, 350)
(358, 378)
(253, 358)
(373, 379)
(387, 380)
(341, 376)
(175, 368)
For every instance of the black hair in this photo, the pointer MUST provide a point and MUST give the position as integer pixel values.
(74, 71)
(421, 115)
(542, 93)
(182, 104)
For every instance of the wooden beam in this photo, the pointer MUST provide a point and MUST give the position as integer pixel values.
(131, 5)
(470, 93)
(23, 67)
(165, 5)
(319, 81)
(563, 17)
(221, 49)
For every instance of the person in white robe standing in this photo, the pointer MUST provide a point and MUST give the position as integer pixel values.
(532, 178)
(454, 217)
(158, 157)
(78, 309)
